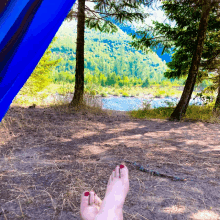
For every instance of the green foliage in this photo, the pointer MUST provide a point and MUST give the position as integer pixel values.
(104, 26)
(166, 83)
(90, 88)
(93, 92)
(64, 77)
(146, 83)
(106, 54)
(116, 94)
(182, 37)
(103, 94)
(120, 91)
(40, 78)
(160, 93)
(161, 113)
(120, 11)
(170, 104)
(203, 113)
(125, 94)
(206, 99)
(147, 105)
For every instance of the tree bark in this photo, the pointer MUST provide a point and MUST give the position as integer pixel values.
(181, 107)
(79, 74)
(217, 102)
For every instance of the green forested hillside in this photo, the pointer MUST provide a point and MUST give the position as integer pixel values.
(107, 56)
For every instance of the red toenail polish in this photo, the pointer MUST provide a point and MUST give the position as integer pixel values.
(86, 194)
(121, 166)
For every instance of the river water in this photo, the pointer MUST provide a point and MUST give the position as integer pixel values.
(124, 103)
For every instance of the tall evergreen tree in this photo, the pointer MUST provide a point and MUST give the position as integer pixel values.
(79, 75)
(213, 65)
(182, 58)
(181, 107)
(217, 102)
(98, 19)
(187, 40)
(211, 61)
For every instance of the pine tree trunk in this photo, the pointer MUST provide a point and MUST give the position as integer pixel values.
(79, 75)
(217, 102)
(180, 109)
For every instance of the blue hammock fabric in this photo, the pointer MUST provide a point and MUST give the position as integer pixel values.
(27, 27)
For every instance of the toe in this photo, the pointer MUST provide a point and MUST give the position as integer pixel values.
(111, 177)
(91, 198)
(117, 171)
(123, 171)
(88, 207)
(98, 201)
(84, 199)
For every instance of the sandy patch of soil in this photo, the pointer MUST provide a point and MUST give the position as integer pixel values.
(49, 157)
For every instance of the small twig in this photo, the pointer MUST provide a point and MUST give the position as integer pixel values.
(155, 173)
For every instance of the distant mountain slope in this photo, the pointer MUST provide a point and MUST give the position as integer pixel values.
(130, 29)
(106, 53)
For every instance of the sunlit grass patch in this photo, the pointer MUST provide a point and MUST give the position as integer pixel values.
(160, 93)
(52, 88)
(103, 94)
(93, 92)
(160, 113)
(25, 101)
(116, 94)
(197, 113)
(120, 91)
(65, 88)
(133, 91)
(125, 94)
(166, 92)
(203, 113)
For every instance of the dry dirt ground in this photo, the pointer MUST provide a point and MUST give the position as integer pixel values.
(48, 157)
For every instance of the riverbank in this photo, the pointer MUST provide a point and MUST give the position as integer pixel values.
(60, 94)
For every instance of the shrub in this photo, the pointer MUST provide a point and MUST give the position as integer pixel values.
(93, 92)
(170, 104)
(125, 94)
(103, 94)
(158, 96)
(146, 83)
(160, 93)
(146, 105)
(120, 91)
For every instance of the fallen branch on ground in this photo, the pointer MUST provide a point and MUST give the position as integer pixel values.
(155, 173)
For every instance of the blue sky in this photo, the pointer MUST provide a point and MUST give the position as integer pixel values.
(158, 15)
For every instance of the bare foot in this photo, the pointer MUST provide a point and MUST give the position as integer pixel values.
(90, 205)
(117, 190)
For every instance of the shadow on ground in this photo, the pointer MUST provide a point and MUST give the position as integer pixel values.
(49, 156)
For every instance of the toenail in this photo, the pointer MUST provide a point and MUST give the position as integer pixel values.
(121, 166)
(86, 193)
